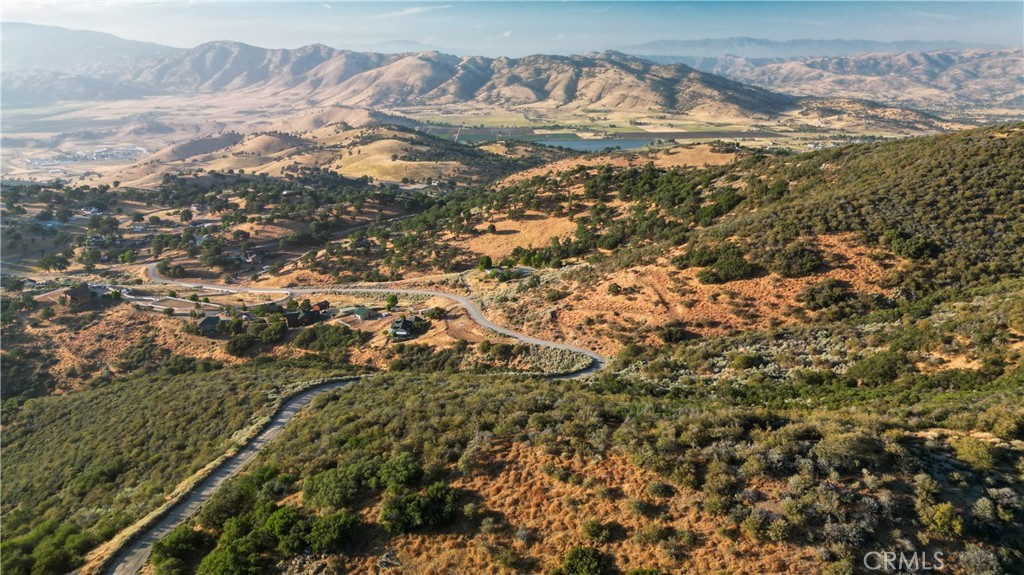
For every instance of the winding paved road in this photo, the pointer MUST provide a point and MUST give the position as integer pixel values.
(131, 560)
(598, 361)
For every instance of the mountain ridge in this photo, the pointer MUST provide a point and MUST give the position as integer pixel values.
(922, 79)
(763, 48)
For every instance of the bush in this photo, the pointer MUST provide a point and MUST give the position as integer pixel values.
(796, 261)
(402, 470)
(977, 453)
(403, 511)
(881, 368)
(778, 530)
(239, 344)
(978, 561)
(288, 528)
(331, 531)
(327, 338)
(651, 534)
(849, 451)
(659, 489)
(756, 525)
(727, 269)
(180, 550)
(269, 333)
(582, 561)
(675, 332)
(824, 294)
(943, 520)
(595, 531)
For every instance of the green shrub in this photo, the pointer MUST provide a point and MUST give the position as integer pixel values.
(659, 489)
(756, 524)
(595, 531)
(849, 451)
(977, 453)
(824, 294)
(239, 344)
(651, 534)
(289, 528)
(796, 261)
(881, 368)
(404, 511)
(582, 561)
(331, 531)
(402, 470)
(943, 520)
(180, 550)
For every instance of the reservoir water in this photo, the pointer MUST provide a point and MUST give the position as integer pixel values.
(593, 145)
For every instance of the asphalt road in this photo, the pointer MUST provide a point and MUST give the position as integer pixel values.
(474, 311)
(134, 557)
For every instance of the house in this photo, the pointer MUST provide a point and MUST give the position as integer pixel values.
(360, 311)
(401, 328)
(321, 306)
(302, 318)
(208, 325)
(78, 295)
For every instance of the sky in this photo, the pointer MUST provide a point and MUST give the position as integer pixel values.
(493, 28)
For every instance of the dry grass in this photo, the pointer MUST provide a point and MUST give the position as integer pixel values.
(516, 493)
(656, 294)
(73, 341)
(535, 229)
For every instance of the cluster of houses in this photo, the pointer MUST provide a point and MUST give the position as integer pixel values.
(210, 325)
(400, 329)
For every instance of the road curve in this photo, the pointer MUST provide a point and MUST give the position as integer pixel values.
(598, 361)
(132, 559)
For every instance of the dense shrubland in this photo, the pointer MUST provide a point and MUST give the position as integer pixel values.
(853, 480)
(79, 468)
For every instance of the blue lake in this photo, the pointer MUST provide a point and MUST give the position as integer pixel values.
(593, 145)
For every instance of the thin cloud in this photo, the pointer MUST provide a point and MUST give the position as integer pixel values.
(938, 16)
(411, 11)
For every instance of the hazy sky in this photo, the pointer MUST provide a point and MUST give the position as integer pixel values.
(517, 28)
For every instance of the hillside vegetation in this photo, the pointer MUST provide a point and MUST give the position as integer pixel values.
(816, 355)
(79, 468)
(950, 205)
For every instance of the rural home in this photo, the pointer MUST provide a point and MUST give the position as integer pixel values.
(401, 328)
(360, 311)
(208, 325)
(302, 318)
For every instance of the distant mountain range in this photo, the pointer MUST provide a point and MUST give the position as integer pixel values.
(761, 48)
(936, 80)
(42, 64)
(121, 68)
(82, 52)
